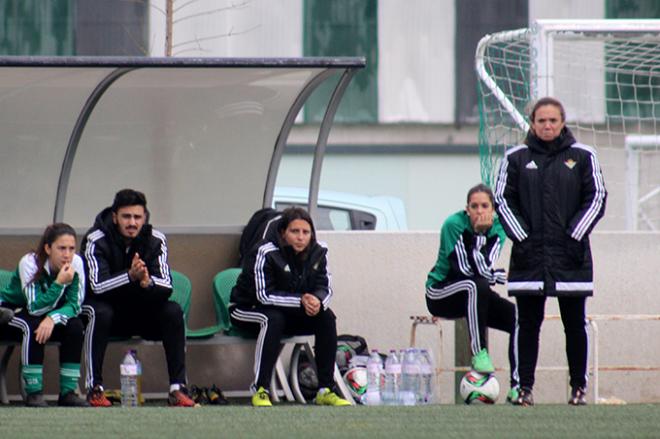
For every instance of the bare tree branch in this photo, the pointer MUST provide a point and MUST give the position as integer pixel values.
(138, 44)
(231, 33)
(178, 8)
(151, 5)
(213, 11)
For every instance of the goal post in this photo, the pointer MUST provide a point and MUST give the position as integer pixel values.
(607, 75)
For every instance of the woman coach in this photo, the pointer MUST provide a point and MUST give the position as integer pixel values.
(549, 196)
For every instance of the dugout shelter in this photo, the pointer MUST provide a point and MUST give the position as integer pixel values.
(202, 137)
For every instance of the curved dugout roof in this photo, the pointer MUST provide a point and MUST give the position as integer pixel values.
(202, 137)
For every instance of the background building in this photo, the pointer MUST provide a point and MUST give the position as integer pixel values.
(407, 126)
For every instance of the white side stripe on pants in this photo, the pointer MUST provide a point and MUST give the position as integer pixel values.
(473, 323)
(262, 320)
(25, 345)
(88, 311)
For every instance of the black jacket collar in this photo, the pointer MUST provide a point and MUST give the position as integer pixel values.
(104, 223)
(564, 141)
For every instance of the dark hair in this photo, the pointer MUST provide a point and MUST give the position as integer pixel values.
(128, 197)
(294, 213)
(49, 236)
(481, 188)
(548, 101)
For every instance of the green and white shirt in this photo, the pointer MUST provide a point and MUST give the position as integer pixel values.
(46, 296)
(464, 254)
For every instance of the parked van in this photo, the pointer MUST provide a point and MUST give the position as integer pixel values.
(346, 211)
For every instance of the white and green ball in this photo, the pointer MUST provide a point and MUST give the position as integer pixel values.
(478, 388)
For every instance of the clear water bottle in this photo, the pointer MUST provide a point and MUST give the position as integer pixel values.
(140, 398)
(392, 381)
(410, 377)
(427, 376)
(374, 373)
(128, 371)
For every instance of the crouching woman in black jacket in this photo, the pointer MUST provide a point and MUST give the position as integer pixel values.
(284, 289)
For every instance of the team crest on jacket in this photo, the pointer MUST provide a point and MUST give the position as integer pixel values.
(531, 165)
(287, 269)
(570, 163)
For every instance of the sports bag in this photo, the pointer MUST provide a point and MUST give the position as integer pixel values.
(262, 224)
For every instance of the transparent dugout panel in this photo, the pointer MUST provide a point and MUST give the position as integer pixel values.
(197, 142)
(38, 109)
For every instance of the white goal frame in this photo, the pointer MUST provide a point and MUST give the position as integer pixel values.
(542, 36)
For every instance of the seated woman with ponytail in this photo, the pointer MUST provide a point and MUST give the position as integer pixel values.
(48, 287)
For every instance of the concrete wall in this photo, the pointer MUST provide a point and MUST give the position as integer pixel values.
(379, 280)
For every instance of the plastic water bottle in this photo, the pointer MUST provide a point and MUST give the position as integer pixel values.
(427, 377)
(392, 382)
(128, 370)
(374, 373)
(140, 398)
(410, 377)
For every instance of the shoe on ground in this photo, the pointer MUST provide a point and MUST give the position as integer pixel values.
(578, 396)
(180, 398)
(261, 398)
(70, 399)
(525, 397)
(5, 315)
(328, 397)
(482, 363)
(216, 397)
(96, 397)
(513, 395)
(199, 395)
(35, 400)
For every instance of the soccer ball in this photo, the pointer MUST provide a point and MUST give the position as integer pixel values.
(356, 380)
(477, 388)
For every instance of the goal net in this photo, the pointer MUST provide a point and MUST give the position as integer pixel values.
(607, 75)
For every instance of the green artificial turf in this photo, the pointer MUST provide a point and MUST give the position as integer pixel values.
(292, 421)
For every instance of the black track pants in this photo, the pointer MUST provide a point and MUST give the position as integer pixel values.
(573, 315)
(157, 320)
(482, 307)
(271, 324)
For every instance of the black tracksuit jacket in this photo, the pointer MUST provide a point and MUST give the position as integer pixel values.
(274, 275)
(549, 196)
(108, 259)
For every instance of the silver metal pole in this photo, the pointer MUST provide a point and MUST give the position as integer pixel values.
(74, 139)
(322, 140)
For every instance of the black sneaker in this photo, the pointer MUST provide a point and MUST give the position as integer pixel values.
(525, 397)
(35, 400)
(199, 395)
(70, 399)
(216, 397)
(578, 396)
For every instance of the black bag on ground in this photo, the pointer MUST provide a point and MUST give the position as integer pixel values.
(349, 346)
(262, 224)
(308, 379)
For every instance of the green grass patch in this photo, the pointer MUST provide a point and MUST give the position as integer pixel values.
(295, 421)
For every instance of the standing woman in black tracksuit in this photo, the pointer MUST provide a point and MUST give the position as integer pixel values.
(549, 195)
(284, 289)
